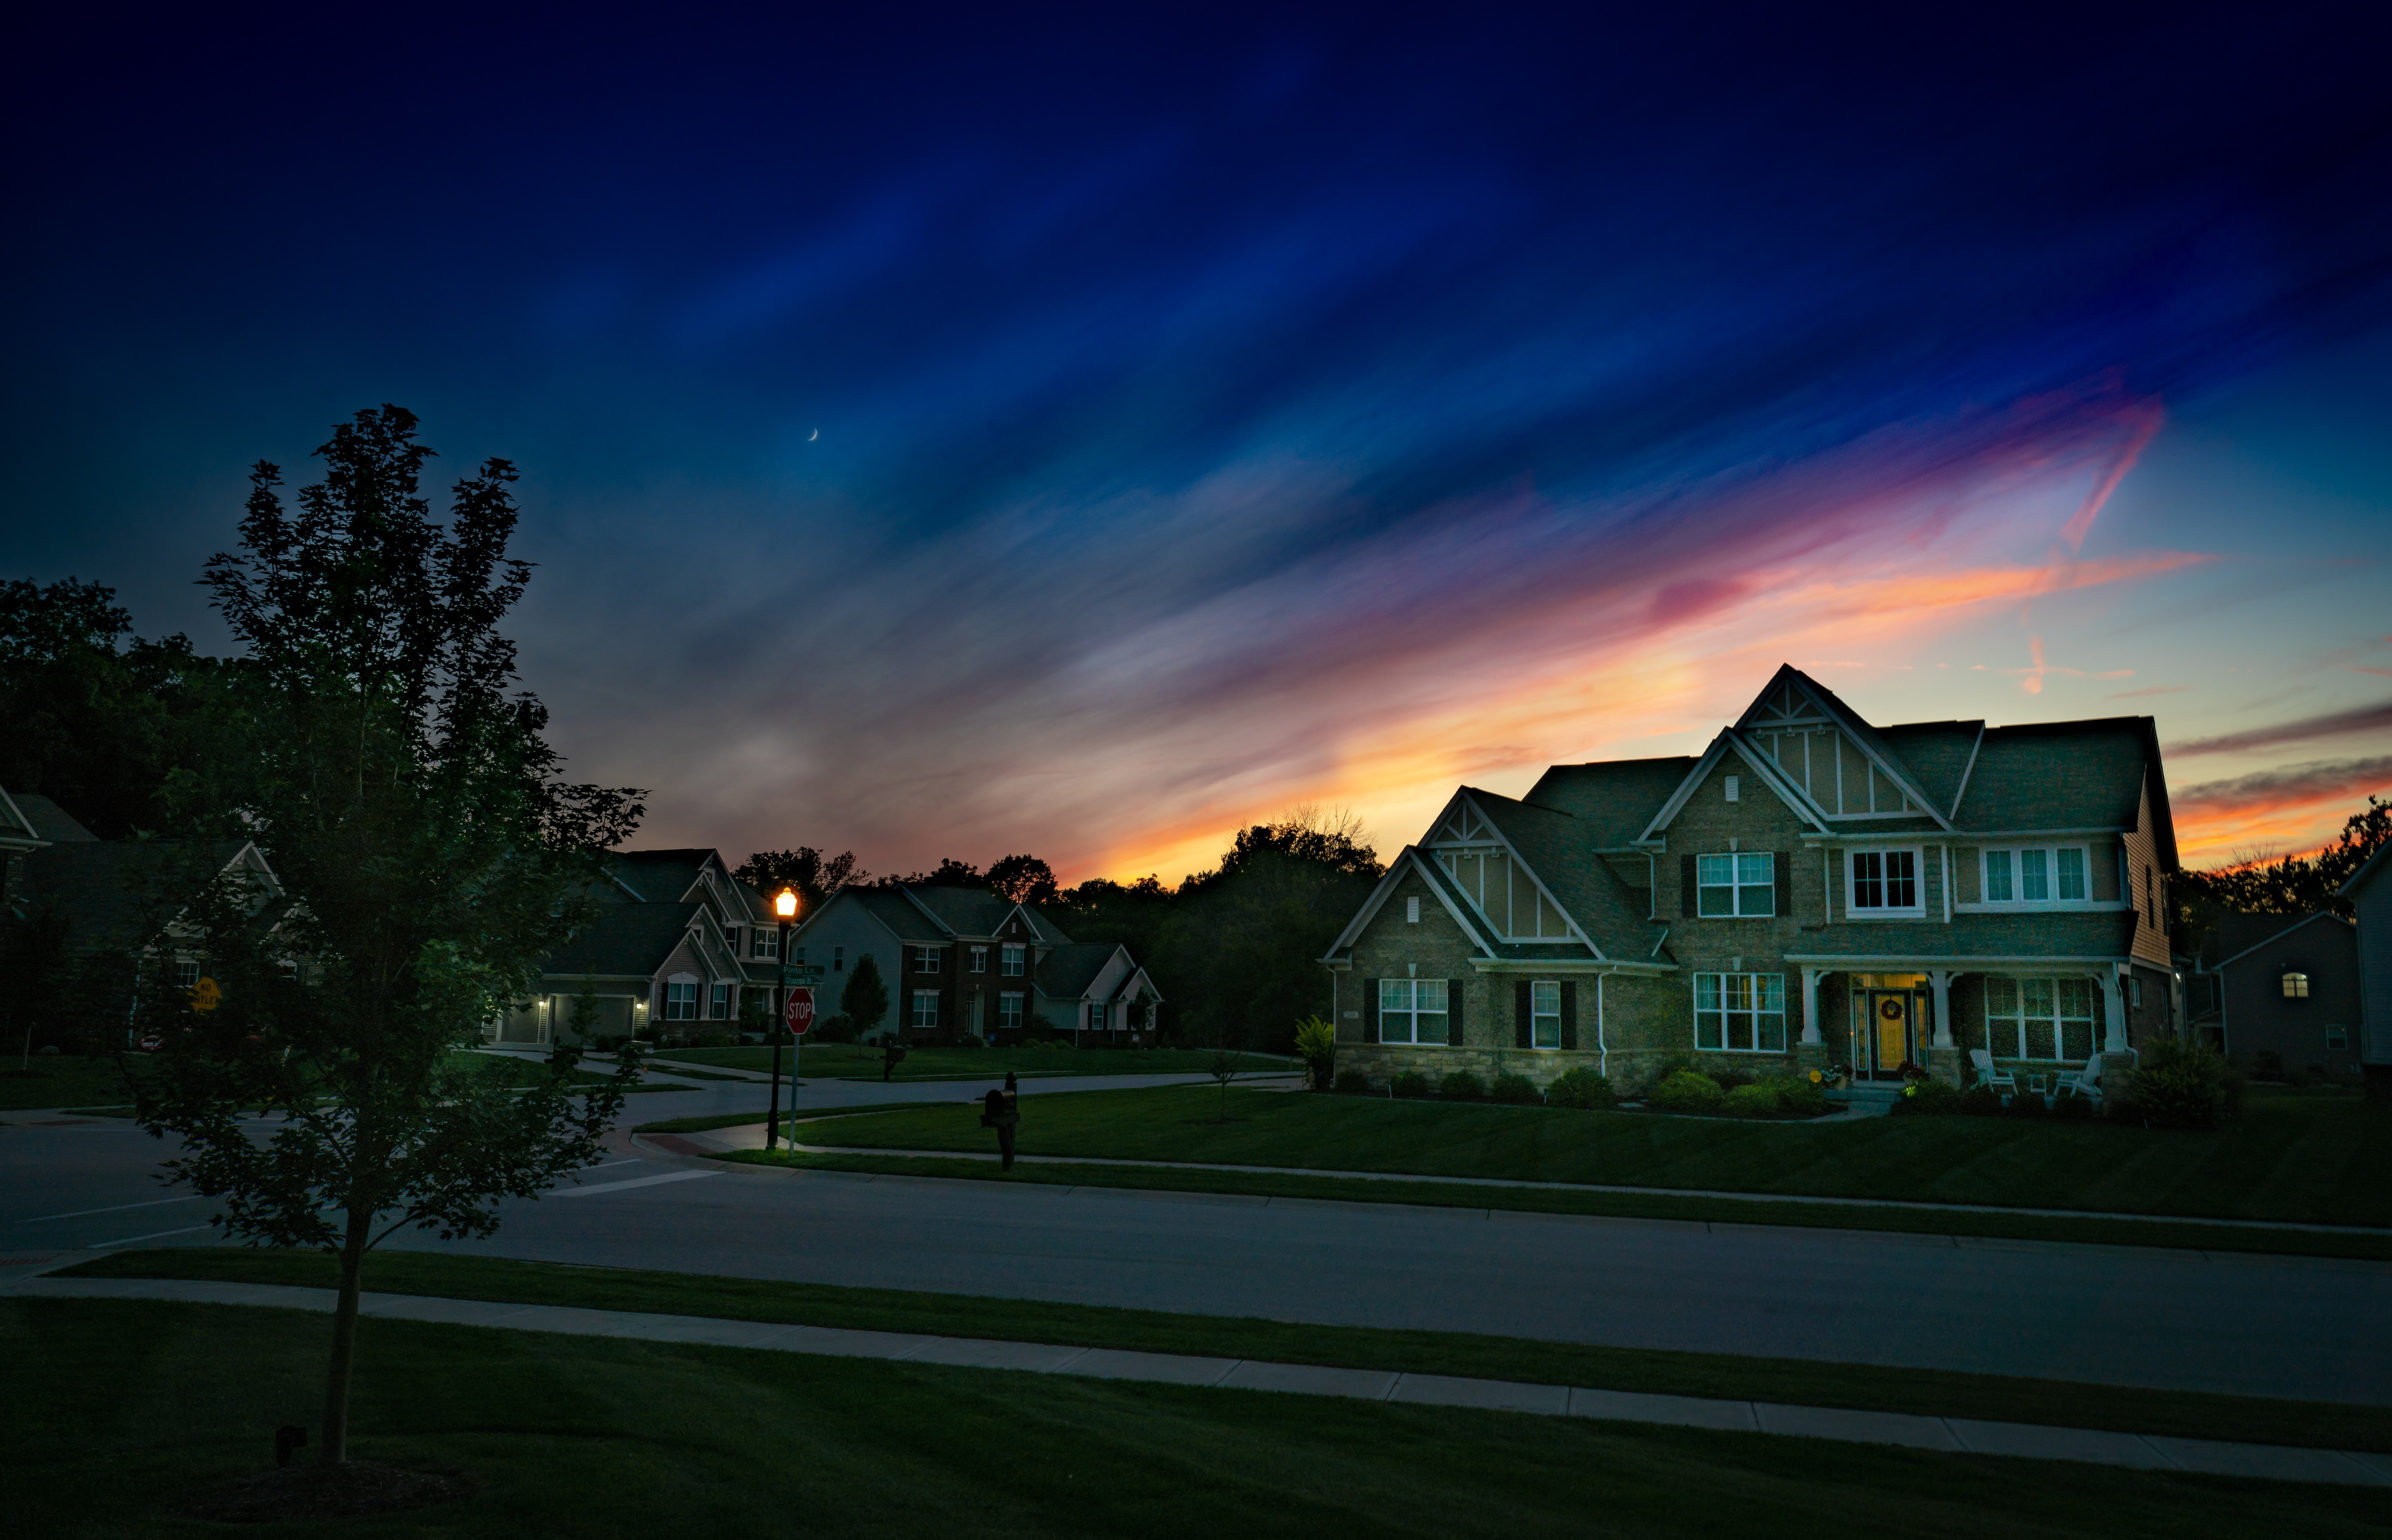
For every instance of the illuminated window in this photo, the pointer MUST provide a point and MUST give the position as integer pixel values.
(2296, 986)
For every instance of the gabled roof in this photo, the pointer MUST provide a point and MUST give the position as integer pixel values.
(978, 912)
(2087, 774)
(1070, 972)
(2240, 935)
(1612, 800)
(47, 820)
(16, 830)
(1553, 848)
(625, 940)
(2370, 870)
(659, 876)
(1409, 861)
(1938, 754)
(121, 891)
(1729, 743)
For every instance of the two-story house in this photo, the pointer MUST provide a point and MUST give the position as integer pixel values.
(1810, 890)
(968, 962)
(677, 945)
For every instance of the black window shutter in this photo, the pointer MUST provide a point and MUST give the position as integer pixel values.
(1520, 1012)
(1686, 887)
(1569, 1013)
(1369, 1010)
(1453, 1012)
(1785, 883)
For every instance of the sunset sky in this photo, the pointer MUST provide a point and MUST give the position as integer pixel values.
(961, 435)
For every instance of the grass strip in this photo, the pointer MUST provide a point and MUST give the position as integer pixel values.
(2174, 1234)
(1927, 1392)
(129, 1409)
(739, 1119)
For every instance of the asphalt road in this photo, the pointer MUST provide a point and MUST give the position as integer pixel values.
(2287, 1327)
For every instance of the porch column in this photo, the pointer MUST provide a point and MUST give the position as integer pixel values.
(1811, 1038)
(2113, 1013)
(1941, 982)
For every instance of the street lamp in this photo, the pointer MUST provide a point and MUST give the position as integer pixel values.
(785, 908)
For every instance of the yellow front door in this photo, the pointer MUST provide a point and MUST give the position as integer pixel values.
(1892, 1015)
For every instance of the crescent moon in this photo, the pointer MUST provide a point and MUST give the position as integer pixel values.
(815, 434)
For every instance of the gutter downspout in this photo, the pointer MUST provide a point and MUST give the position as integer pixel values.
(1603, 1048)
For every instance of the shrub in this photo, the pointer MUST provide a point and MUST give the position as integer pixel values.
(1686, 1091)
(1411, 1083)
(1352, 1082)
(2182, 1085)
(1755, 1100)
(1517, 1091)
(1460, 1086)
(2071, 1107)
(1980, 1101)
(1797, 1095)
(835, 1028)
(1582, 1088)
(2025, 1103)
(1315, 1044)
(1933, 1099)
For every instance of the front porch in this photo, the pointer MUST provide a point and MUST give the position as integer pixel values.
(2038, 1020)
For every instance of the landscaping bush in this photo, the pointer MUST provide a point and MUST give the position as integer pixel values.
(1460, 1086)
(2071, 1107)
(1980, 1101)
(1686, 1091)
(1582, 1088)
(2025, 1103)
(1934, 1099)
(1798, 1095)
(1352, 1082)
(1517, 1091)
(834, 1027)
(2267, 1065)
(1411, 1083)
(2181, 1086)
(1315, 1044)
(1752, 1100)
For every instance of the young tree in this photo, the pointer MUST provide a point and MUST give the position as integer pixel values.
(866, 999)
(430, 856)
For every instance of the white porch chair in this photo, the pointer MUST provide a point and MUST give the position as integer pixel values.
(2085, 1082)
(1988, 1074)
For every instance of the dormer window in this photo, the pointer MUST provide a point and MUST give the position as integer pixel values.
(2296, 986)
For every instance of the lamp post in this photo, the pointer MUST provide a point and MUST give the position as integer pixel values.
(785, 908)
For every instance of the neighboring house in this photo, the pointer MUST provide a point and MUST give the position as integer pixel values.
(1810, 890)
(967, 962)
(2370, 892)
(2279, 994)
(678, 944)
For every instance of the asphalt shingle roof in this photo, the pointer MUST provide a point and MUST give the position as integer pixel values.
(1612, 799)
(625, 940)
(1069, 972)
(2057, 775)
(2105, 933)
(1556, 849)
(51, 821)
(120, 891)
(1936, 754)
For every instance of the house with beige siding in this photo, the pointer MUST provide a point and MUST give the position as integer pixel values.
(1811, 890)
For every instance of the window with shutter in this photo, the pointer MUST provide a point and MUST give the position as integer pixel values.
(1569, 1013)
(1520, 1015)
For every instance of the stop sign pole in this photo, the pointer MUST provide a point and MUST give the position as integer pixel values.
(799, 1012)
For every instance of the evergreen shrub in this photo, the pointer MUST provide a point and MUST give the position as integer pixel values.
(1934, 1099)
(1412, 1083)
(1753, 1100)
(1517, 1091)
(2069, 1107)
(1582, 1088)
(1686, 1091)
(1980, 1101)
(2026, 1103)
(1798, 1095)
(1352, 1082)
(2181, 1086)
(1460, 1086)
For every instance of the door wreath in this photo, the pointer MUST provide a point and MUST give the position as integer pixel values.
(1889, 1008)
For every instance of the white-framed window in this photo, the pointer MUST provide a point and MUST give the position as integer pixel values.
(1740, 1013)
(2040, 1018)
(1545, 1013)
(980, 959)
(2337, 1037)
(187, 973)
(721, 1004)
(1883, 882)
(1008, 960)
(926, 1010)
(926, 959)
(681, 1000)
(1412, 1009)
(767, 941)
(1009, 1010)
(1095, 1016)
(2035, 874)
(731, 939)
(1741, 886)
(2296, 986)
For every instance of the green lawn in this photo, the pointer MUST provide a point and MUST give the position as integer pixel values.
(528, 1072)
(848, 1061)
(1932, 1392)
(2298, 1156)
(61, 1079)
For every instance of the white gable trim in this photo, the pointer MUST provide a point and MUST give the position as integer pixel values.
(1379, 896)
(1771, 776)
(944, 928)
(1470, 813)
(1795, 680)
(1504, 843)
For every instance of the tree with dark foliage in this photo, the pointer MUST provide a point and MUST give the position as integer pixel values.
(2293, 885)
(430, 856)
(813, 875)
(1023, 880)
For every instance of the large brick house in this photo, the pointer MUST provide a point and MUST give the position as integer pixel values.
(1810, 890)
(966, 962)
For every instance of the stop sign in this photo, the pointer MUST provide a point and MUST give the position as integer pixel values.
(799, 1010)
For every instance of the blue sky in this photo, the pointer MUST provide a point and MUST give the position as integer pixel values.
(1083, 432)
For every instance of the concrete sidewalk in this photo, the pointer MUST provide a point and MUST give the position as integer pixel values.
(1951, 1435)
